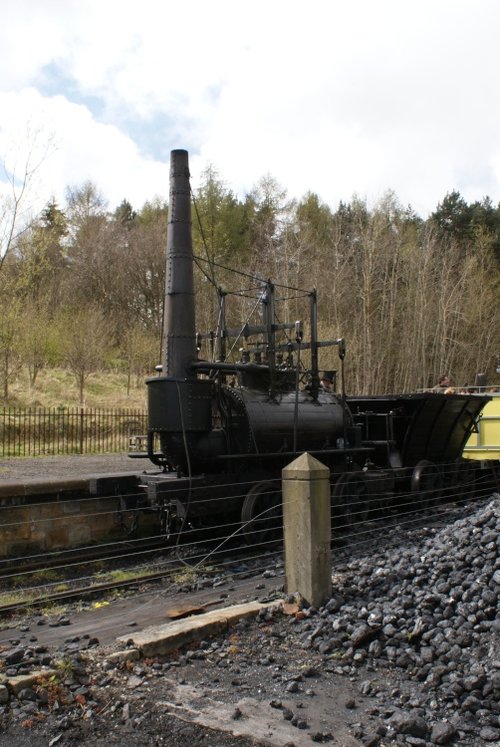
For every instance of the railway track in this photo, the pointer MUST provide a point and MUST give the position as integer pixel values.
(76, 593)
(187, 561)
(38, 580)
(61, 559)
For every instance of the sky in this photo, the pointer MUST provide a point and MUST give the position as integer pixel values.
(340, 98)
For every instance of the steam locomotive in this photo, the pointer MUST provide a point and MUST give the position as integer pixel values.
(221, 430)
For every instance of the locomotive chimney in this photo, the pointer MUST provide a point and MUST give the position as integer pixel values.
(180, 404)
(179, 336)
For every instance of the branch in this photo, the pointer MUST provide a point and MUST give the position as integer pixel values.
(19, 189)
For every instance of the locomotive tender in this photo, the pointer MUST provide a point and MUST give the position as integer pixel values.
(222, 430)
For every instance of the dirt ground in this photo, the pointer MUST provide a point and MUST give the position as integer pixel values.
(262, 682)
(250, 686)
(191, 702)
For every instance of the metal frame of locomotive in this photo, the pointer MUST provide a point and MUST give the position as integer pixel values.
(226, 429)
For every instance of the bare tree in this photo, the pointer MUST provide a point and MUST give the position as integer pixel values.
(17, 175)
(10, 353)
(140, 352)
(37, 338)
(85, 341)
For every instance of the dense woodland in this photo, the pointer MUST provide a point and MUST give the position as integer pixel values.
(82, 287)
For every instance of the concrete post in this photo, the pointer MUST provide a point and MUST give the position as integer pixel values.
(307, 529)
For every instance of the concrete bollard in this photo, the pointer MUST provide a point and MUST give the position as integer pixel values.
(307, 529)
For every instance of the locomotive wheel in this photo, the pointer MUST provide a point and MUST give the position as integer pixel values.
(350, 499)
(426, 483)
(262, 514)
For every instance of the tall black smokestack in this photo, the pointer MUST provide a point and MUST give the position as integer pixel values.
(180, 404)
(179, 335)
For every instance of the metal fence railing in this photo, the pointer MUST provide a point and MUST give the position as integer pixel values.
(41, 431)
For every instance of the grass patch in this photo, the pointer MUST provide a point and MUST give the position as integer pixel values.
(60, 588)
(186, 576)
(56, 387)
(54, 610)
(37, 578)
(65, 669)
(123, 576)
(17, 596)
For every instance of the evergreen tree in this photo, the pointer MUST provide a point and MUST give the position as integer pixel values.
(124, 214)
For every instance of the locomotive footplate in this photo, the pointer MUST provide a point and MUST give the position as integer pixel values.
(160, 487)
(338, 454)
(200, 495)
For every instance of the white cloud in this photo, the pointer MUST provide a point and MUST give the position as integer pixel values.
(332, 97)
(79, 149)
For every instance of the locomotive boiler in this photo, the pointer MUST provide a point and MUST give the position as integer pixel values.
(221, 429)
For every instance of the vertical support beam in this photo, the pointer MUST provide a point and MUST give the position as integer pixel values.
(307, 529)
(221, 326)
(269, 321)
(314, 344)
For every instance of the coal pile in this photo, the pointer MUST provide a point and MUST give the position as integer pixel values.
(427, 613)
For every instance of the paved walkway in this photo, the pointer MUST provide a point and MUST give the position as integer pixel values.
(19, 468)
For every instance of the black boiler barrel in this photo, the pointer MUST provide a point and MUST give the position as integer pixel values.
(319, 423)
